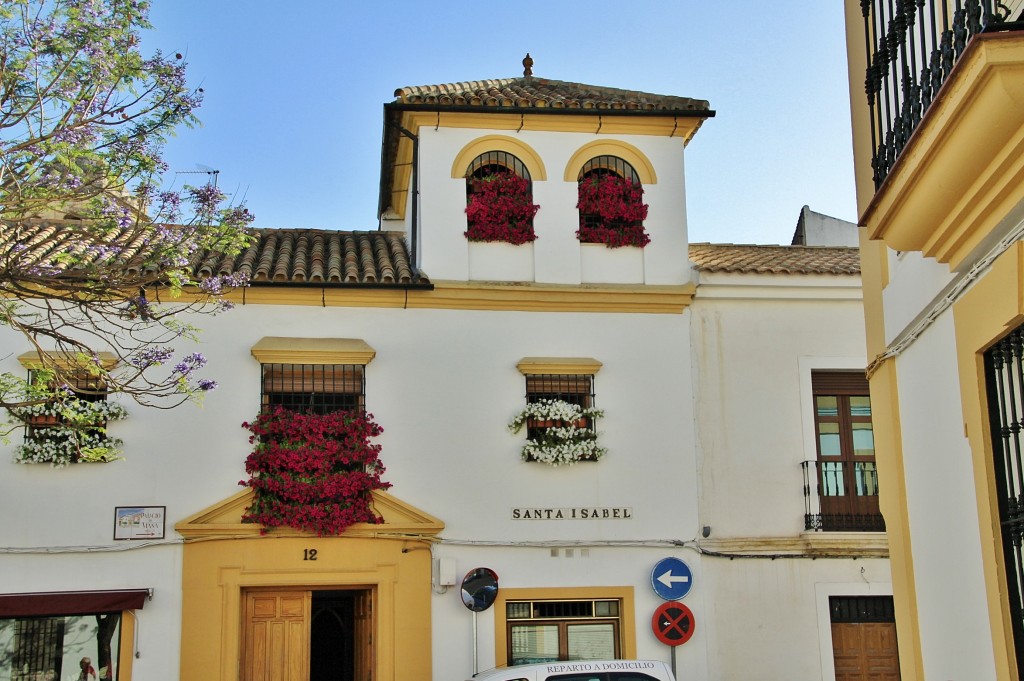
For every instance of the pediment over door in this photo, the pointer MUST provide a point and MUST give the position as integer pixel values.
(224, 519)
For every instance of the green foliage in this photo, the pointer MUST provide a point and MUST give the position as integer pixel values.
(84, 116)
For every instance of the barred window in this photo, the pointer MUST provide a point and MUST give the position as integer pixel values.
(571, 388)
(610, 204)
(85, 387)
(570, 379)
(493, 162)
(861, 609)
(38, 643)
(60, 647)
(314, 388)
(549, 631)
(600, 167)
(609, 165)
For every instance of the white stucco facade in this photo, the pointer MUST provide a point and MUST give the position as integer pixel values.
(704, 378)
(756, 340)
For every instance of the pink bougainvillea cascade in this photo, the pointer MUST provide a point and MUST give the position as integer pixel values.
(612, 212)
(313, 472)
(500, 208)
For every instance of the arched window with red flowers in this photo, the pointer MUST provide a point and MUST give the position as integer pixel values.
(612, 211)
(499, 199)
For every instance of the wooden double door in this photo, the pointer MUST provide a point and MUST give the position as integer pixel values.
(866, 651)
(305, 635)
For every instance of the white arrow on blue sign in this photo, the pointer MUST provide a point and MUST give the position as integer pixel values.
(671, 579)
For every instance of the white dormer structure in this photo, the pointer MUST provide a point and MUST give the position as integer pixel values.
(553, 134)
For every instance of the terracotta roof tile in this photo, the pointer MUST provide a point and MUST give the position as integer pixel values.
(287, 256)
(531, 92)
(524, 95)
(748, 259)
(298, 256)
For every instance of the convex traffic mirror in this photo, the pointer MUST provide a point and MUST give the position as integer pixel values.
(479, 589)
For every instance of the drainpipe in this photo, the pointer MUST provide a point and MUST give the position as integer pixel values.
(414, 231)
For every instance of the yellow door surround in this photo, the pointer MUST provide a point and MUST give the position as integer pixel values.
(225, 558)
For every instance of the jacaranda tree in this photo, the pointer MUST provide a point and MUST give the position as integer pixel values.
(98, 263)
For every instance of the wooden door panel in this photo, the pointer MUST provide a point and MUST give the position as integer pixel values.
(846, 645)
(276, 638)
(865, 651)
(363, 636)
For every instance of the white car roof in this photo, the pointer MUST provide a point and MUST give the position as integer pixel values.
(540, 672)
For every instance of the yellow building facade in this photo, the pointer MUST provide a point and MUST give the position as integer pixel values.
(937, 94)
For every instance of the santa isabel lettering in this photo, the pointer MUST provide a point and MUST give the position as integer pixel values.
(573, 513)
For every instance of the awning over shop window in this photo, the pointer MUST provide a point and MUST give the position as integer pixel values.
(71, 602)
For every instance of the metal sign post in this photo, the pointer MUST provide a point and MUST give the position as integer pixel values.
(479, 589)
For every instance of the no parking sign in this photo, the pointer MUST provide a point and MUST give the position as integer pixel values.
(673, 623)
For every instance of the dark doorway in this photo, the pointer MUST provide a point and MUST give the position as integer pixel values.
(332, 636)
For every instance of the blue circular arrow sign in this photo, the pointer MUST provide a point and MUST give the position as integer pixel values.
(671, 579)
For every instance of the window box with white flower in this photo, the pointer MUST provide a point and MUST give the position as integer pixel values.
(559, 433)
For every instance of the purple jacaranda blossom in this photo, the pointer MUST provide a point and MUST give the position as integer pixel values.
(151, 356)
(190, 363)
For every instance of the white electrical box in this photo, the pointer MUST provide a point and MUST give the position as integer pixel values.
(443, 572)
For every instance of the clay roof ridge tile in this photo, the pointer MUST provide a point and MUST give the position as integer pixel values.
(226, 266)
(334, 259)
(316, 258)
(351, 271)
(396, 248)
(266, 259)
(383, 255)
(299, 259)
(366, 263)
(284, 257)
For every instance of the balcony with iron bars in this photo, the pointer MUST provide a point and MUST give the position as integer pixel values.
(944, 82)
(912, 46)
(841, 496)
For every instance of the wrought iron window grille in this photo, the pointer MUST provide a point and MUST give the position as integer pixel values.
(493, 162)
(855, 609)
(313, 388)
(1004, 369)
(572, 388)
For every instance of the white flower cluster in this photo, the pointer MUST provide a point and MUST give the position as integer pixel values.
(563, 442)
(74, 431)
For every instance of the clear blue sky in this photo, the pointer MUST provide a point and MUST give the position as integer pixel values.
(294, 91)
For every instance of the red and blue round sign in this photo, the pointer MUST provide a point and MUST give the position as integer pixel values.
(673, 623)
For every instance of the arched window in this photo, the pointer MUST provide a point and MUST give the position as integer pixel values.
(612, 211)
(499, 199)
(493, 162)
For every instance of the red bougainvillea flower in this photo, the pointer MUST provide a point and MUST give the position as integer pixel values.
(313, 472)
(500, 208)
(611, 212)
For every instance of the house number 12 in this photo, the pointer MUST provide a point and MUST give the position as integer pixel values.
(309, 554)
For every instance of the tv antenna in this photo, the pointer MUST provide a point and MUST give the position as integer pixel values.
(203, 170)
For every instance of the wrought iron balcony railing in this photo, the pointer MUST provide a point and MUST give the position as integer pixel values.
(912, 46)
(841, 496)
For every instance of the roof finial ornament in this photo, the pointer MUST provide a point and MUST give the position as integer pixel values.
(527, 65)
